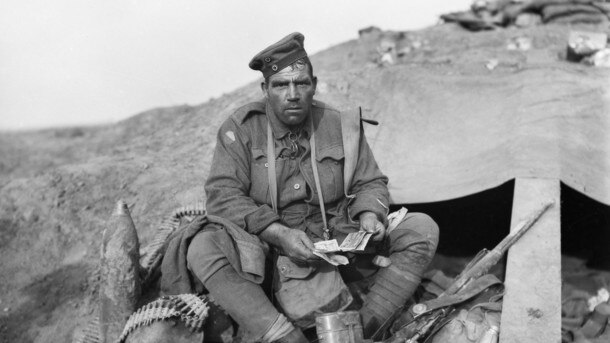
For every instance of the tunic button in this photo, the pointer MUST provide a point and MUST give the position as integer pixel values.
(266, 165)
(297, 186)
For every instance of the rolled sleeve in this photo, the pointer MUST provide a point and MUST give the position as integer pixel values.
(260, 219)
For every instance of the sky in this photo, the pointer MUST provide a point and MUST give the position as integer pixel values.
(82, 62)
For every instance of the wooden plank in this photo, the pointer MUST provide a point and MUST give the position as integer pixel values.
(532, 303)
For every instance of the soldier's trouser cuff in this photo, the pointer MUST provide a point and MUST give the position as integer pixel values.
(280, 328)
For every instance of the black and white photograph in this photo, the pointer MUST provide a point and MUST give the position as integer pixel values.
(341, 171)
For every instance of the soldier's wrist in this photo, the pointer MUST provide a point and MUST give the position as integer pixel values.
(367, 214)
(273, 233)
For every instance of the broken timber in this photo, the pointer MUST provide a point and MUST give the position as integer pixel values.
(532, 302)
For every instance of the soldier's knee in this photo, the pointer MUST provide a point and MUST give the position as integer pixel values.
(425, 225)
(204, 243)
(417, 224)
(204, 255)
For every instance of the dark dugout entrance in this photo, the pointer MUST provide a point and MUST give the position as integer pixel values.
(481, 220)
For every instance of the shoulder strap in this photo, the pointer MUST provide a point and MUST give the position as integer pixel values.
(271, 173)
(316, 177)
(350, 131)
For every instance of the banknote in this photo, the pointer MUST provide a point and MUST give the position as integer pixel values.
(334, 259)
(327, 246)
(355, 241)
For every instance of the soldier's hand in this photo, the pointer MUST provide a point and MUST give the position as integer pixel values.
(293, 243)
(370, 223)
(297, 245)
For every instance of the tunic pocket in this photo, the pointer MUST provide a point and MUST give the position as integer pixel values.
(330, 167)
(259, 167)
(259, 185)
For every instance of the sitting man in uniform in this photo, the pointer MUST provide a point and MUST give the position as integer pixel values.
(277, 185)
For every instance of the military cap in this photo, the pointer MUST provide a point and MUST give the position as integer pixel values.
(279, 55)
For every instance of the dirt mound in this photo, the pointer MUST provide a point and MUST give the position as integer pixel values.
(58, 187)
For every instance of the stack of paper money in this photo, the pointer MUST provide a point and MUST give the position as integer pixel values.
(355, 241)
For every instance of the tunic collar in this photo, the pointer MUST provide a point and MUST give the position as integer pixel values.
(280, 130)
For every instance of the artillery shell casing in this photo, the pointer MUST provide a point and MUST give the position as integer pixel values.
(120, 286)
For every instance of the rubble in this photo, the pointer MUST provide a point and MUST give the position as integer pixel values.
(599, 59)
(519, 43)
(528, 19)
(492, 64)
(492, 14)
(371, 32)
(387, 52)
(601, 297)
(589, 48)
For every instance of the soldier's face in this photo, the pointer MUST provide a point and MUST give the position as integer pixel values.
(290, 94)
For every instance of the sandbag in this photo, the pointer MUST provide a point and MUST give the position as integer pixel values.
(585, 18)
(551, 12)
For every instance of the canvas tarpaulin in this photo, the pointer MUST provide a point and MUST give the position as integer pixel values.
(446, 135)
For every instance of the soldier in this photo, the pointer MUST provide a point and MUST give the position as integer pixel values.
(277, 181)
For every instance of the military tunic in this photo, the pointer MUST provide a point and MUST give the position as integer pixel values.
(238, 188)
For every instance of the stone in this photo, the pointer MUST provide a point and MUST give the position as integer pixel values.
(527, 19)
(582, 44)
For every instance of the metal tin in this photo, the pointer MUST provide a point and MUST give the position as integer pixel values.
(339, 327)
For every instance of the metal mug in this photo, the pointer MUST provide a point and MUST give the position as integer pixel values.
(339, 327)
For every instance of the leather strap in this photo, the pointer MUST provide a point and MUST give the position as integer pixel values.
(316, 177)
(350, 132)
(271, 173)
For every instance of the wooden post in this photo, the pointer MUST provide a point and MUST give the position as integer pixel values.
(532, 303)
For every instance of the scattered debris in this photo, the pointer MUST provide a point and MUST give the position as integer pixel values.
(583, 44)
(492, 64)
(412, 43)
(387, 52)
(599, 59)
(528, 20)
(491, 14)
(601, 297)
(371, 32)
(519, 43)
